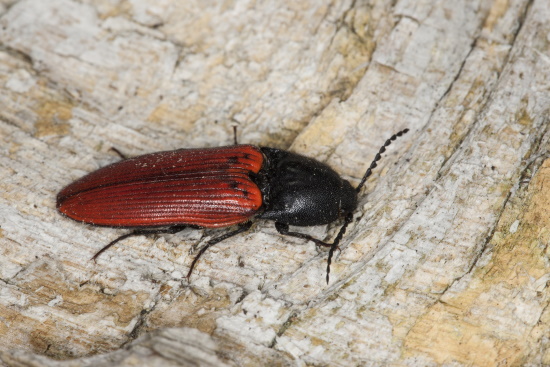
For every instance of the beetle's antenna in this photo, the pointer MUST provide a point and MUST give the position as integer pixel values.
(378, 156)
(349, 217)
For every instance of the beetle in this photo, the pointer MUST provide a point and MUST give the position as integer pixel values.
(165, 192)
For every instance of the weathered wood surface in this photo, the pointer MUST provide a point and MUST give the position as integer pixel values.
(447, 262)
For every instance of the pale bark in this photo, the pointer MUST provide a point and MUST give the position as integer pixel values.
(447, 262)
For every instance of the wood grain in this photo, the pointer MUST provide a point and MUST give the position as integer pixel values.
(446, 263)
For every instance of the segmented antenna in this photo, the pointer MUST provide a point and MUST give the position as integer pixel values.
(378, 156)
(349, 217)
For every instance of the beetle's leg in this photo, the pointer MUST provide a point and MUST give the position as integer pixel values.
(283, 228)
(235, 135)
(138, 232)
(119, 153)
(242, 228)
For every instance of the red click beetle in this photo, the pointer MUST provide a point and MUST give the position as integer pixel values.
(215, 187)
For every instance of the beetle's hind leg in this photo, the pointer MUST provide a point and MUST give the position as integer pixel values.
(243, 227)
(138, 232)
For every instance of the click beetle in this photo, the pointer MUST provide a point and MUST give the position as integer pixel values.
(166, 192)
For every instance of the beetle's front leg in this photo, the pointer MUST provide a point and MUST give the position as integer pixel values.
(283, 228)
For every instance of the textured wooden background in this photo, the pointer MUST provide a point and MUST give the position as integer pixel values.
(447, 262)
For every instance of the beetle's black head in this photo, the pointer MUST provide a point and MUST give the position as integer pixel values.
(348, 196)
(301, 191)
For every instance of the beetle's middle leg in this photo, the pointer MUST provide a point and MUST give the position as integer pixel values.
(243, 227)
(139, 232)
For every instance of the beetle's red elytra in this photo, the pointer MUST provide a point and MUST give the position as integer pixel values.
(204, 187)
(166, 192)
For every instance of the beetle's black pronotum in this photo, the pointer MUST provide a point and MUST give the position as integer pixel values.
(215, 187)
